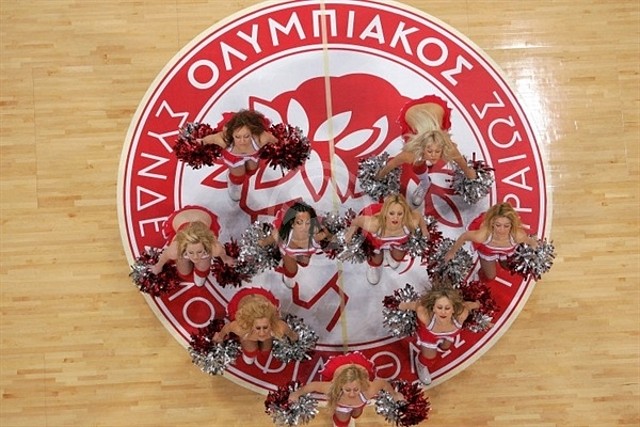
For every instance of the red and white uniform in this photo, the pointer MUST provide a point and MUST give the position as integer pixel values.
(345, 409)
(328, 371)
(380, 242)
(233, 160)
(488, 252)
(233, 306)
(169, 232)
(286, 249)
(446, 119)
(429, 339)
(351, 358)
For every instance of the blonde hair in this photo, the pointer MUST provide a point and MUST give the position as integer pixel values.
(418, 143)
(346, 375)
(258, 307)
(195, 232)
(429, 299)
(421, 120)
(504, 210)
(407, 218)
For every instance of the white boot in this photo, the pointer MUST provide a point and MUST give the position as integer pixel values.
(373, 274)
(391, 262)
(235, 191)
(417, 197)
(423, 373)
(289, 282)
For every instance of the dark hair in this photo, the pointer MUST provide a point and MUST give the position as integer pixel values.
(255, 121)
(290, 216)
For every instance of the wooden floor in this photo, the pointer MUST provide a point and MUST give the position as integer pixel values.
(80, 346)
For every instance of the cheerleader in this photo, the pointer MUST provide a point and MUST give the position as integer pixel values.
(494, 235)
(255, 320)
(386, 227)
(242, 135)
(425, 125)
(440, 314)
(191, 235)
(349, 384)
(298, 233)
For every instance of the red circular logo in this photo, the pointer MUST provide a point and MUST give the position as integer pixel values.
(341, 71)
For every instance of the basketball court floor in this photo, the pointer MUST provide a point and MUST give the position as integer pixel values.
(79, 344)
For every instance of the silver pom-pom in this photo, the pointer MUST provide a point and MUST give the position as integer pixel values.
(400, 323)
(287, 413)
(472, 190)
(336, 225)
(411, 410)
(286, 350)
(388, 407)
(418, 244)
(352, 251)
(334, 222)
(378, 189)
(480, 322)
(217, 358)
(452, 273)
(529, 261)
(255, 258)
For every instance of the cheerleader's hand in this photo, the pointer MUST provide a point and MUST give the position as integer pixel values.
(294, 396)
(449, 256)
(155, 269)
(218, 337)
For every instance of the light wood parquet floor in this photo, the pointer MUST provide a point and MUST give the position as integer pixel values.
(80, 346)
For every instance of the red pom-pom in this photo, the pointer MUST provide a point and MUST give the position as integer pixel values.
(155, 285)
(227, 275)
(435, 237)
(280, 397)
(367, 248)
(290, 150)
(202, 341)
(189, 150)
(390, 302)
(479, 291)
(417, 406)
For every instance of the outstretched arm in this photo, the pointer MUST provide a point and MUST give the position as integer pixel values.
(409, 305)
(523, 237)
(459, 160)
(378, 385)
(322, 234)
(224, 332)
(272, 239)
(288, 331)
(469, 306)
(217, 250)
(419, 220)
(358, 222)
(402, 158)
(460, 241)
(169, 253)
(215, 138)
(312, 387)
(265, 138)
